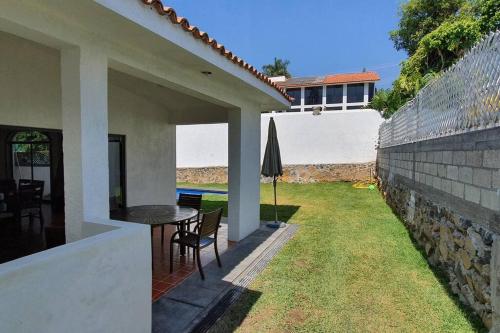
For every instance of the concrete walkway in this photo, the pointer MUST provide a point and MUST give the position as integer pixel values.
(195, 305)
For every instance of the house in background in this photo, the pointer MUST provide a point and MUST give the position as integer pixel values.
(338, 145)
(99, 87)
(334, 92)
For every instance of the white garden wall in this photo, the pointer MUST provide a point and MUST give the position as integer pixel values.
(334, 137)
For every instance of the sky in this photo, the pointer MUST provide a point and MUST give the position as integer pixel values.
(318, 37)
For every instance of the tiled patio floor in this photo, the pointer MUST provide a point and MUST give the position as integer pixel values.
(19, 240)
(184, 266)
(194, 305)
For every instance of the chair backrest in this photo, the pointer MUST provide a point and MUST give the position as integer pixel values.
(30, 193)
(190, 200)
(210, 223)
(27, 182)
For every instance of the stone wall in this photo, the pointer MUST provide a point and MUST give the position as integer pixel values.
(208, 175)
(446, 191)
(291, 173)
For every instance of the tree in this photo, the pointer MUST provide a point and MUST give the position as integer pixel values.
(278, 68)
(455, 26)
(488, 12)
(387, 101)
(437, 51)
(420, 17)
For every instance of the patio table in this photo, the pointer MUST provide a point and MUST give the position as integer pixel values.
(156, 216)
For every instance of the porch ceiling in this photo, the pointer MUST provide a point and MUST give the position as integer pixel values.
(140, 42)
(182, 108)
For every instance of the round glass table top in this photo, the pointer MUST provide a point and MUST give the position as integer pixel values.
(155, 214)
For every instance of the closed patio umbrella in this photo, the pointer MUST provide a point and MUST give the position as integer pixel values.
(271, 166)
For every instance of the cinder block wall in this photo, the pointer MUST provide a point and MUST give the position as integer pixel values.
(446, 191)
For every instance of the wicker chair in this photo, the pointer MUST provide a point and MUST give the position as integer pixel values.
(186, 200)
(203, 235)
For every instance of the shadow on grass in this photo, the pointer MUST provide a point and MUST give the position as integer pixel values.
(235, 313)
(443, 279)
(285, 212)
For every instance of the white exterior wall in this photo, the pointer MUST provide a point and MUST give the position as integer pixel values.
(336, 137)
(201, 146)
(150, 145)
(150, 155)
(98, 284)
(37, 69)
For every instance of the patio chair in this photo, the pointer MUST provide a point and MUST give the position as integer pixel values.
(186, 200)
(203, 235)
(30, 199)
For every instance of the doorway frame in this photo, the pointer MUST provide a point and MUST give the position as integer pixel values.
(121, 139)
(9, 166)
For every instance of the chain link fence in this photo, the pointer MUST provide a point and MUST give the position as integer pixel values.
(466, 97)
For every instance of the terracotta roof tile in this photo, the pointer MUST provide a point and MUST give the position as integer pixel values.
(330, 79)
(352, 77)
(196, 33)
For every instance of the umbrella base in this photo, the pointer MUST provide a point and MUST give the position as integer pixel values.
(275, 225)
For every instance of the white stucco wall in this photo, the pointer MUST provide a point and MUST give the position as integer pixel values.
(30, 92)
(150, 155)
(335, 137)
(98, 284)
(202, 145)
(150, 145)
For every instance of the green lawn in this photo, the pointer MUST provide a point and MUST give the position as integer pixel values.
(352, 267)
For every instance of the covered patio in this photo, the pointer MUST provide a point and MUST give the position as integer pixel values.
(113, 79)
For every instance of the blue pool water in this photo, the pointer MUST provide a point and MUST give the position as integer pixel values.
(198, 191)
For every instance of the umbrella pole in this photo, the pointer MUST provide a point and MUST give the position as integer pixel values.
(275, 203)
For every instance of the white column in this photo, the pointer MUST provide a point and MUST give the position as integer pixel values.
(365, 94)
(302, 98)
(244, 173)
(323, 99)
(84, 82)
(344, 97)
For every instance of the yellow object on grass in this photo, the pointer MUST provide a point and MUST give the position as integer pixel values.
(364, 185)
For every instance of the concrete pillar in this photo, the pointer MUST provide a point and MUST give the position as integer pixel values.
(323, 99)
(302, 98)
(84, 82)
(365, 93)
(244, 172)
(344, 97)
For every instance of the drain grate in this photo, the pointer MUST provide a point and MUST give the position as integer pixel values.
(240, 283)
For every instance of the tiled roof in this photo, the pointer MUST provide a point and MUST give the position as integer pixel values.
(170, 13)
(330, 79)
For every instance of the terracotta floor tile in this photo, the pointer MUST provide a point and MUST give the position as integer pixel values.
(161, 286)
(183, 266)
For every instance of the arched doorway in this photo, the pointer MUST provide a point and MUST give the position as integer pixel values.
(31, 157)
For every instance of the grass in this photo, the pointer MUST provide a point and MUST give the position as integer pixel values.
(352, 267)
